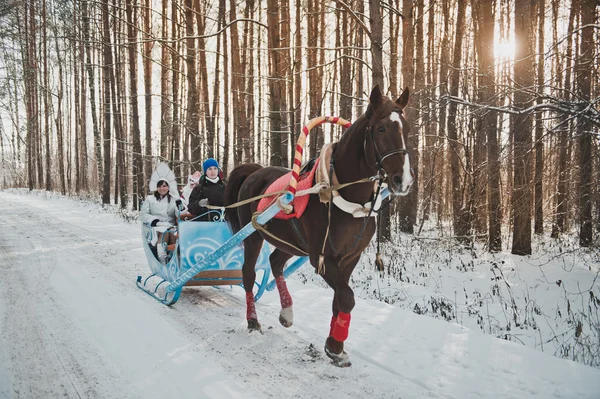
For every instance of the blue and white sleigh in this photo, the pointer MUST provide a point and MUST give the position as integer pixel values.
(206, 253)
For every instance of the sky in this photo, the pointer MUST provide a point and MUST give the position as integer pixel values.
(73, 324)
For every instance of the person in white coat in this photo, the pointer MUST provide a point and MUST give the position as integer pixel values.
(159, 211)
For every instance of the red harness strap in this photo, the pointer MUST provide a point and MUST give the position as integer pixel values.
(300, 203)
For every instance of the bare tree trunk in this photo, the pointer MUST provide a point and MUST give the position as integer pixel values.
(539, 127)
(444, 82)
(146, 51)
(431, 150)
(359, 35)
(249, 126)
(287, 144)
(211, 130)
(203, 77)
(459, 217)
(487, 95)
(584, 66)
(166, 86)
(59, 119)
(226, 102)
(237, 84)
(314, 72)
(35, 98)
(563, 172)
(77, 159)
(297, 74)
(523, 76)
(137, 166)
(193, 104)
(106, 79)
(274, 36)
(83, 147)
(175, 147)
(394, 32)
(119, 109)
(85, 22)
(376, 24)
(46, 93)
(346, 66)
(30, 75)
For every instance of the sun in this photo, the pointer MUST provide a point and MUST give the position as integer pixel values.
(504, 48)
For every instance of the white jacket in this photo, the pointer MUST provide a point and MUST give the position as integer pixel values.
(163, 210)
(185, 194)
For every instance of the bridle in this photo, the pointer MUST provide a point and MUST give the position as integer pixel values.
(379, 158)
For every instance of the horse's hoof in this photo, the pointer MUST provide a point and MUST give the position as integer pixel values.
(339, 360)
(254, 325)
(286, 317)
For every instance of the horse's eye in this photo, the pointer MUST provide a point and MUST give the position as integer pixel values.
(381, 129)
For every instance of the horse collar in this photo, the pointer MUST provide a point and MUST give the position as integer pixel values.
(326, 175)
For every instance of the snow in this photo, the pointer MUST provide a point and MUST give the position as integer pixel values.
(73, 324)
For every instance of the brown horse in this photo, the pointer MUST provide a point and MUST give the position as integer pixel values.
(374, 146)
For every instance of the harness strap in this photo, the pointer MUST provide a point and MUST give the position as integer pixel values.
(331, 194)
(264, 230)
(299, 235)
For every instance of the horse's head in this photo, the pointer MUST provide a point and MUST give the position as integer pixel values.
(386, 140)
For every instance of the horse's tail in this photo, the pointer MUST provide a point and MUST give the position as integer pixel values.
(237, 176)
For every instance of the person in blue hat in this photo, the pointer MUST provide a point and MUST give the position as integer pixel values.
(209, 190)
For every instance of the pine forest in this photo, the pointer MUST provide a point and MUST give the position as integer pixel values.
(504, 108)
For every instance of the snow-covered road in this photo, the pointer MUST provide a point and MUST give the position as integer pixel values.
(73, 324)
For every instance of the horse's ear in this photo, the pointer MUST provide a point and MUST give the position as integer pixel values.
(376, 98)
(403, 99)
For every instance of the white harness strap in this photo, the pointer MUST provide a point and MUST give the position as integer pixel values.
(356, 210)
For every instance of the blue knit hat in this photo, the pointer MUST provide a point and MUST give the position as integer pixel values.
(209, 163)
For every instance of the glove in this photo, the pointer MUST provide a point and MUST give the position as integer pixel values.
(203, 202)
(154, 222)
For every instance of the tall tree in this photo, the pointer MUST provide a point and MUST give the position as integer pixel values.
(192, 120)
(106, 83)
(166, 84)
(146, 51)
(315, 71)
(584, 66)
(238, 108)
(459, 217)
(486, 95)
(563, 131)
(46, 94)
(85, 21)
(275, 82)
(60, 134)
(406, 204)
(175, 142)
(523, 78)
(376, 37)
(539, 127)
(137, 166)
(443, 107)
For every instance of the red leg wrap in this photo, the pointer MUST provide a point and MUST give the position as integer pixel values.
(284, 295)
(250, 307)
(332, 324)
(340, 329)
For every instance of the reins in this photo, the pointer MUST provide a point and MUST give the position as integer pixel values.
(298, 194)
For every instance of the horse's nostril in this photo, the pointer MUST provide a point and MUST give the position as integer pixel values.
(398, 180)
